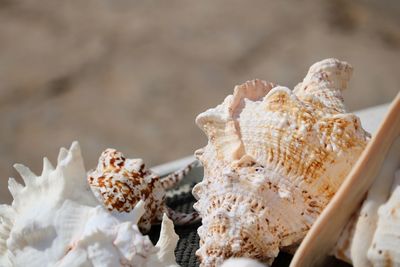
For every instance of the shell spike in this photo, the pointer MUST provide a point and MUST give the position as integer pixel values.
(138, 212)
(27, 175)
(134, 215)
(62, 155)
(14, 187)
(75, 149)
(167, 242)
(47, 166)
(73, 153)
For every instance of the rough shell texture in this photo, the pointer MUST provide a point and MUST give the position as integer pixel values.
(120, 183)
(55, 220)
(274, 159)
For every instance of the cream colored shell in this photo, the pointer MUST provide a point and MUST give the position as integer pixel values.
(274, 159)
(55, 220)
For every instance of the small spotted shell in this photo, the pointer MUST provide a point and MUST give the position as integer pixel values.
(120, 183)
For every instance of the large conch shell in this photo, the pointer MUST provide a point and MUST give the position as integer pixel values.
(120, 183)
(55, 220)
(274, 159)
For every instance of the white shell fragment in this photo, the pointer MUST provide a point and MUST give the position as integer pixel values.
(274, 159)
(372, 236)
(385, 248)
(55, 220)
(242, 262)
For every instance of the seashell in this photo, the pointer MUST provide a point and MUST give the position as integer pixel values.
(55, 220)
(376, 219)
(371, 235)
(273, 161)
(242, 262)
(120, 183)
(370, 238)
(385, 245)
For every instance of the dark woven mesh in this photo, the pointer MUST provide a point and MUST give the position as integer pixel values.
(189, 240)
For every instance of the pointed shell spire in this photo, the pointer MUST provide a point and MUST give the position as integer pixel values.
(325, 81)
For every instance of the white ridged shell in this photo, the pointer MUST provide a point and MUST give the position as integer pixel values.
(55, 220)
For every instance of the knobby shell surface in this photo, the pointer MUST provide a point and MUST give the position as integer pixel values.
(120, 183)
(55, 220)
(274, 159)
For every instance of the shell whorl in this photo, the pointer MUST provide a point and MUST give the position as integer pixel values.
(286, 152)
(325, 80)
(120, 183)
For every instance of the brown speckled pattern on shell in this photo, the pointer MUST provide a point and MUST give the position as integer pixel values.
(120, 183)
(274, 159)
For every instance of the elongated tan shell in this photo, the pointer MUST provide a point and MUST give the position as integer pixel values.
(274, 159)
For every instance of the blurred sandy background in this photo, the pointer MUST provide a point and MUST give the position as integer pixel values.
(134, 74)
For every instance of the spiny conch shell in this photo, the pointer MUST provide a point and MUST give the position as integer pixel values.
(55, 220)
(274, 159)
(120, 183)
